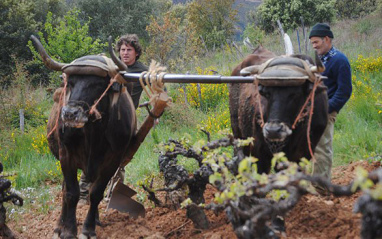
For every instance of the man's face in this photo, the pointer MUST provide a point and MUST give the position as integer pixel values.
(321, 44)
(128, 54)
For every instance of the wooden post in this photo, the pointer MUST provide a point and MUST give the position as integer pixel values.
(298, 40)
(304, 35)
(22, 119)
(145, 128)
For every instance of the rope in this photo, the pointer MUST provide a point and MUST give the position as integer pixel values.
(61, 103)
(154, 82)
(300, 116)
(258, 96)
(114, 77)
(310, 121)
(93, 109)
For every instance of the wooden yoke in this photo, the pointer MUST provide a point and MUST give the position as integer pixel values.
(160, 104)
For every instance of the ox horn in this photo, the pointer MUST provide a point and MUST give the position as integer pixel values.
(121, 65)
(48, 61)
(319, 67)
(250, 70)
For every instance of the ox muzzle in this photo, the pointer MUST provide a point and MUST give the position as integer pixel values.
(276, 131)
(74, 116)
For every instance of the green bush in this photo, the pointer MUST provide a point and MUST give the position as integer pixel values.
(254, 34)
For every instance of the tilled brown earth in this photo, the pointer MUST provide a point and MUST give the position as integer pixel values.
(313, 217)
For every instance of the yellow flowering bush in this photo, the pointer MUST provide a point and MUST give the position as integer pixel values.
(56, 172)
(368, 64)
(210, 94)
(220, 120)
(366, 86)
(39, 140)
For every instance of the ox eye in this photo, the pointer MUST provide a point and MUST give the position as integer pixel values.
(263, 91)
(70, 84)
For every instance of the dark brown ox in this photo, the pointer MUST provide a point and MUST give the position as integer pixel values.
(283, 92)
(93, 140)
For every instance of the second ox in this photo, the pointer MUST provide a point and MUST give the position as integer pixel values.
(275, 110)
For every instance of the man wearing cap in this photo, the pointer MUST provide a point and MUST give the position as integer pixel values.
(338, 82)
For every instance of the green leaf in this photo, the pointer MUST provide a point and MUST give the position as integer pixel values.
(215, 177)
(186, 203)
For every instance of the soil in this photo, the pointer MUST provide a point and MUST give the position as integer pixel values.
(313, 217)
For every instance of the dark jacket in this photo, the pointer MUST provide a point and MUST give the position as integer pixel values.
(137, 67)
(337, 69)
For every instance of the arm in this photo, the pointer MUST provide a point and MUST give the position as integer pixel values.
(344, 86)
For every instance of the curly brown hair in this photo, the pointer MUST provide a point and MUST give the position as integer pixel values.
(132, 40)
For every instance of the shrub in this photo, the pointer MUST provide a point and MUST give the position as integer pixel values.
(368, 64)
(366, 87)
(217, 121)
(210, 94)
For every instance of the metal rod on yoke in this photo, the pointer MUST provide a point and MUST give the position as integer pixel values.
(203, 79)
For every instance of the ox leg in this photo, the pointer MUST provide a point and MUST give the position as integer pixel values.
(67, 224)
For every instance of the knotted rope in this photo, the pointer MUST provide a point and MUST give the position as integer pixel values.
(154, 82)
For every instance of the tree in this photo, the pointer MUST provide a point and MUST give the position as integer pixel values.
(116, 17)
(213, 20)
(171, 40)
(68, 40)
(15, 27)
(355, 8)
(254, 33)
(163, 37)
(378, 11)
(19, 19)
(289, 13)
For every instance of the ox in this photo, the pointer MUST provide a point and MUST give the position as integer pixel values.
(269, 117)
(95, 142)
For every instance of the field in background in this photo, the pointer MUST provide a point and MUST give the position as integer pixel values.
(357, 131)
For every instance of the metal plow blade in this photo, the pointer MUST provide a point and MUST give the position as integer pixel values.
(121, 201)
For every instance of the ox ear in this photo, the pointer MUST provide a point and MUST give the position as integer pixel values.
(320, 88)
(250, 70)
(319, 67)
